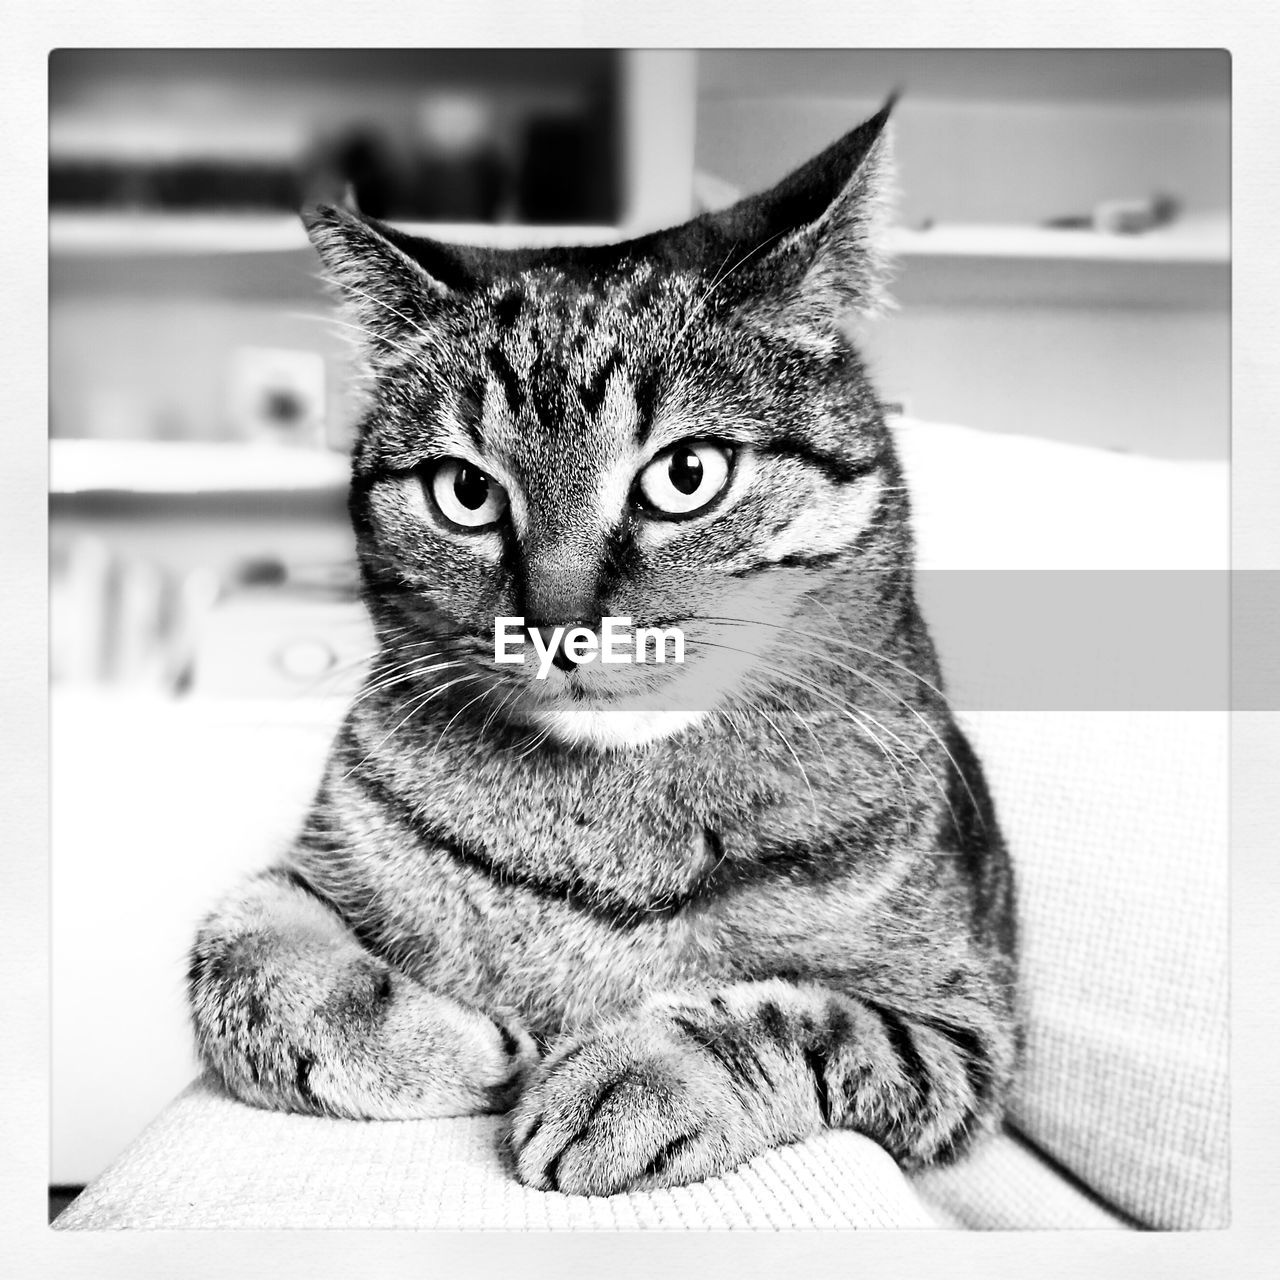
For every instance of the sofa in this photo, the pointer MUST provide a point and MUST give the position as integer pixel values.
(1114, 805)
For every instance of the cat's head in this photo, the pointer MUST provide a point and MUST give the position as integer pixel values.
(674, 430)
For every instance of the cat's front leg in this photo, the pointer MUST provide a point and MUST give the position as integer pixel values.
(294, 1014)
(691, 1086)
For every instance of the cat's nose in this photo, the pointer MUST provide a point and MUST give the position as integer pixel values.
(559, 588)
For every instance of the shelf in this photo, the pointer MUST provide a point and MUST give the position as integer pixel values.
(1204, 240)
(152, 467)
(134, 235)
(1195, 241)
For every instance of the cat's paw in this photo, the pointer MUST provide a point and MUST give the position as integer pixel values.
(392, 1049)
(637, 1105)
(520, 1057)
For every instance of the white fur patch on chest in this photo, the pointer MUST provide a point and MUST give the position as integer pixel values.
(612, 729)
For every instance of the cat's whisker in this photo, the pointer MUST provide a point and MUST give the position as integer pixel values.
(859, 716)
(414, 709)
(401, 674)
(535, 744)
(697, 306)
(716, 283)
(897, 697)
(326, 681)
(924, 764)
(861, 720)
(498, 708)
(773, 724)
(365, 333)
(484, 693)
(826, 639)
(346, 287)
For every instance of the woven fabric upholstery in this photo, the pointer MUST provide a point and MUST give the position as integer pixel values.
(1006, 1185)
(1119, 822)
(209, 1161)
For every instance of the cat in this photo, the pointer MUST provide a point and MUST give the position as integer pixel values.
(670, 917)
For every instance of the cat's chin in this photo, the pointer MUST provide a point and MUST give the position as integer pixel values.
(613, 730)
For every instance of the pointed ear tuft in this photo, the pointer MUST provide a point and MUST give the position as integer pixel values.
(820, 232)
(388, 293)
(849, 265)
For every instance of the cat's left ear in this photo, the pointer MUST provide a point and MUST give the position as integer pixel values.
(390, 294)
(818, 236)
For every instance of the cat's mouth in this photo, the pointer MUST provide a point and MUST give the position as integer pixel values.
(633, 703)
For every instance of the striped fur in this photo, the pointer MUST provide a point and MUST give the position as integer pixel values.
(675, 915)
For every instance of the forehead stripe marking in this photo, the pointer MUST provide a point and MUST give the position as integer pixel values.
(591, 393)
(471, 409)
(508, 307)
(646, 393)
(506, 375)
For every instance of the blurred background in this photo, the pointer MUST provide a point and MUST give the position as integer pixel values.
(1062, 240)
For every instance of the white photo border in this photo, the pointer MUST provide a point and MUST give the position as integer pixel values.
(27, 1246)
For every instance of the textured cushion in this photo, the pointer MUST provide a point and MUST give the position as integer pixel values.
(1005, 1184)
(209, 1161)
(1117, 823)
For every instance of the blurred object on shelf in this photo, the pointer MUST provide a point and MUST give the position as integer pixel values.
(1123, 217)
(277, 396)
(263, 627)
(197, 595)
(272, 641)
(140, 653)
(78, 594)
(122, 620)
(340, 581)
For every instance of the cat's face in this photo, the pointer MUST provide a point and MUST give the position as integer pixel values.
(673, 431)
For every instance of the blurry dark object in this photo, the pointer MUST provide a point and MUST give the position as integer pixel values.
(552, 180)
(460, 176)
(363, 163)
(264, 571)
(278, 395)
(1122, 217)
(171, 184)
(412, 135)
(387, 180)
(458, 189)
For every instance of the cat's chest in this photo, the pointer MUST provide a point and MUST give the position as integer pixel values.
(626, 834)
(566, 894)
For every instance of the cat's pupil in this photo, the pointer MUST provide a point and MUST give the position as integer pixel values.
(685, 471)
(471, 487)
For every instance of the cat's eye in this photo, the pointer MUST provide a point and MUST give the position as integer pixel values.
(465, 495)
(684, 478)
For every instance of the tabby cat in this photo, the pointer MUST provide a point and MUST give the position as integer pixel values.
(669, 916)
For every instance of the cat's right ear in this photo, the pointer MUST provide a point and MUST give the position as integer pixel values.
(390, 294)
